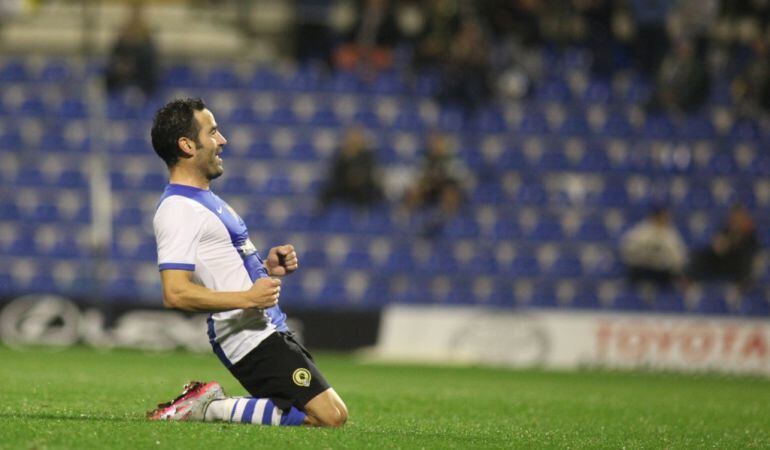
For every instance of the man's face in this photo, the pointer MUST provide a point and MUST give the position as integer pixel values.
(209, 146)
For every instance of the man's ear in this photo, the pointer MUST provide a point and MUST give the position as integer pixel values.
(186, 145)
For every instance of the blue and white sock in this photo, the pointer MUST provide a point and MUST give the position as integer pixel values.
(252, 410)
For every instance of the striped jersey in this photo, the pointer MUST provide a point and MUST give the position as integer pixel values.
(197, 231)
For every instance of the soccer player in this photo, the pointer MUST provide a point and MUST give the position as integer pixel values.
(207, 263)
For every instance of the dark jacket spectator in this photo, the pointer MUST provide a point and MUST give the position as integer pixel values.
(750, 90)
(132, 61)
(352, 177)
(683, 81)
(438, 188)
(730, 257)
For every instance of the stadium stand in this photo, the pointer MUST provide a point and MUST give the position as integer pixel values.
(553, 191)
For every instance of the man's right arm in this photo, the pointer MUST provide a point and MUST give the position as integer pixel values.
(180, 292)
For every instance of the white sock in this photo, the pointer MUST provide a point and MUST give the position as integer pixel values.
(251, 410)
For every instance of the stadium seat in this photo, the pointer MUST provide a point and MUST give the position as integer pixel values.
(180, 76)
(754, 304)
(712, 302)
(14, 71)
(553, 90)
(222, 77)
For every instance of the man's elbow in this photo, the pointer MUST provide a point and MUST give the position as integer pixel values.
(172, 300)
(169, 302)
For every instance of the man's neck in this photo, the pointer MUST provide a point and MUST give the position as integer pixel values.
(181, 176)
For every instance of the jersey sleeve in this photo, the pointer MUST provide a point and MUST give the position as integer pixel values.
(178, 226)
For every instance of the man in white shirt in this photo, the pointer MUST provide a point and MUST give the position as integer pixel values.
(208, 264)
(653, 249)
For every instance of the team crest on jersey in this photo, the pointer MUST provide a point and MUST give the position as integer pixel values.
(301, 377)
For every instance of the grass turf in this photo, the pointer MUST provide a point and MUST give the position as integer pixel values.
(83, 398)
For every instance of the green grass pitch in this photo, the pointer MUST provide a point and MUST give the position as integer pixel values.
(82, 398)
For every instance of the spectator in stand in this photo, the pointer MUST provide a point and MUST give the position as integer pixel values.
(468, 71)
(683, 81)
(730, 257)
(653, 250)
(353, 177)
(437, 191)
(599, 37)
(651, 41)
(515, 19)
(368, 46)
(433, 46)
(132, 60)
(750, 90)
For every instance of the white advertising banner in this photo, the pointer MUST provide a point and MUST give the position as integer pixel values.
(559, 339)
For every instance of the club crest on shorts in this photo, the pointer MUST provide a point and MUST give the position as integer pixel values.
(301, 377)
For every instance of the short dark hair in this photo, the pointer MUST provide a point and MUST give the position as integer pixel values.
(174, 120)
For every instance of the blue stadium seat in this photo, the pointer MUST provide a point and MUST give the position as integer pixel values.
(531, 192)
(533, 123)
(389, 83)
(72, 108)
(754, 304)
(659, 126)
(638, 91)
(697, 127)
(722, 163)
(544, 294)
(553, 90)
(72, 178)
(488, 192)
(8, 210)
(409, 119)
(712, 302)
(575, 124)
(129, 215)
(597, 91)
(242, 114)
(451, 119)
(56, 71)
(566, 265)
(592, 229)
(523, 265)
(222, 77)
(281, 116)
(744, 130)
(585, 297)
(180, 76)
(668, 301)
(345, 82)
(14, 71)
(42, 282)
(630, 300)
(489, 120)
(30, 176)
(427, 84)
(617, 125)
(32, 106)
(547, 229)
(461, 226)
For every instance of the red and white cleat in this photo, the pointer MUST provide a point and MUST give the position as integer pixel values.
(190, 404)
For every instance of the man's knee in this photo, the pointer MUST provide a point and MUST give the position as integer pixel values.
(327, 410)
(334, 418)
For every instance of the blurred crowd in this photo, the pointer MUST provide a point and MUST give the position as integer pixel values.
(490, 47)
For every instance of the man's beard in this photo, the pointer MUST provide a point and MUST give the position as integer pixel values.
(215, 174)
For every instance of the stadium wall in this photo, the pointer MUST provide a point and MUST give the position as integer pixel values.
(571, 340)
(46, 319)
(551, 339)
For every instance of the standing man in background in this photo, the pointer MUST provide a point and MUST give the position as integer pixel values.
(207, 263)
